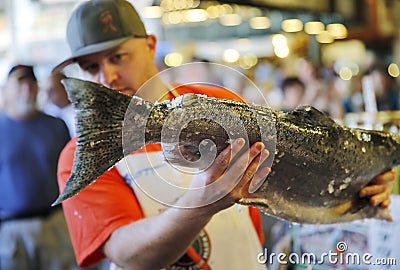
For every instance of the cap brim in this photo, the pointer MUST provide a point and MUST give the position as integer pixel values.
(91, 49)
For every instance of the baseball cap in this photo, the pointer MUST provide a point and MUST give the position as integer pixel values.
(20, 71)
(99, 25)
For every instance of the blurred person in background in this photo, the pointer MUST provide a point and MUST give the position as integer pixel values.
(315, 90)
(353, 101)
(320, 91)
(293, 90)
(386, 89)
(113, 217)
(33, 235)
(58, 103)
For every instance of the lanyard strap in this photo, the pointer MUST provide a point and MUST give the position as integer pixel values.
(191, 252)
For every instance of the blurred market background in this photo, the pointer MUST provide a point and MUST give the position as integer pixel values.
(331, 45)
(346, 52)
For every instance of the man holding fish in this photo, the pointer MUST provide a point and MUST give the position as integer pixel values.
(115, 218)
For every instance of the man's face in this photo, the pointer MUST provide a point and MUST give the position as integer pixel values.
(124, 68)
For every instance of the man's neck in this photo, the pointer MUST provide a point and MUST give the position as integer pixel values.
(154, 90)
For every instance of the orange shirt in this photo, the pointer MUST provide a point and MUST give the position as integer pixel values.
(95, 212)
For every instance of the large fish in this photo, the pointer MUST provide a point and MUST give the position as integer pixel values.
(318, 166)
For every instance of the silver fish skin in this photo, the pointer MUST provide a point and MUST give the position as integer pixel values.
(318, 166)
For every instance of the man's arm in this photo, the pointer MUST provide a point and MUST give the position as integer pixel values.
(158, 241)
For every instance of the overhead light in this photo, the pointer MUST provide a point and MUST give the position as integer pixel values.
(253, 12)
(173, 5)
(314, 28)
(341, 63)
(281, 48)
(393, 70)
(324, 37)
(231, 55)
(281, 51)
(279, 40)
(152, 12)
(225, 9)
(248, 61)
(167, 5)
(292, 25)
(230, 19)
(195, 15)
(355, 69)
(260, 22)
(173, 59)
(213, 12)
(337, 30)
(345, 73)
(173, 17)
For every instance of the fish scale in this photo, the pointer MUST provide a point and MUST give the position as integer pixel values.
(318, 166)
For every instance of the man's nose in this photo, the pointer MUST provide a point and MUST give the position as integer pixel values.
(108, 74)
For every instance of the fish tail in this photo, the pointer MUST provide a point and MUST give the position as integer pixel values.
(99, 115)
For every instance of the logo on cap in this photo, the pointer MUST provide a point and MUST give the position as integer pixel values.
(107, 20)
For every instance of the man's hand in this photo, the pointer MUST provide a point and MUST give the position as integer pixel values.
(237, 170)
(380, 189)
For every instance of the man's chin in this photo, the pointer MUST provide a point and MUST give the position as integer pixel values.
(25, 109)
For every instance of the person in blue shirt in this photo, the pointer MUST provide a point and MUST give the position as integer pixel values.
(33, 235)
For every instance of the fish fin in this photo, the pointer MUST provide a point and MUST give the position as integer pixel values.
(313, 116)
(99, 114)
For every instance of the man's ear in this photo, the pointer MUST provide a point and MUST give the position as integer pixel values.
(151, 42)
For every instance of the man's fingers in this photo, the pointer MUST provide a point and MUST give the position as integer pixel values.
(261, 173)
(384, 178)
(386, 203)
(380, 198)
(246, 164)
(236, 166)
(380, 189)
(372, 190)
(242, 170)
(259, 178)
(223, 159)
